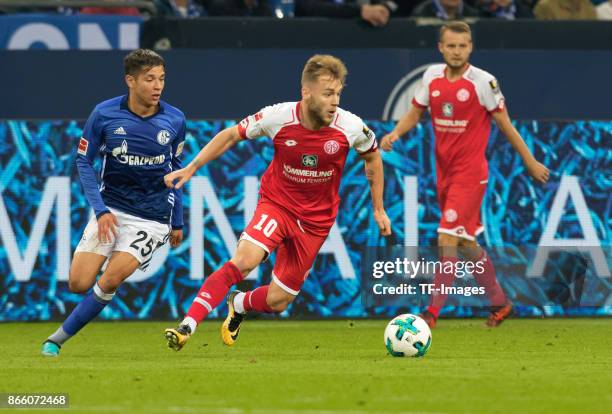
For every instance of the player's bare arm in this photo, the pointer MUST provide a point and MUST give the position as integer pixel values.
(408, 121)
(536, 170)
(222, 142)
(375, 175)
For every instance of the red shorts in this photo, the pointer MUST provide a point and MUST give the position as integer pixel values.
(271, 228)
(460, 209)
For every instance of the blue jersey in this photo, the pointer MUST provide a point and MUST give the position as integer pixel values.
(136, 154)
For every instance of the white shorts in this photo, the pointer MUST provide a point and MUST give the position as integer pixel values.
(135, 235)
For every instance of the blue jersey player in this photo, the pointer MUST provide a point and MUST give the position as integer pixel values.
(140, 139)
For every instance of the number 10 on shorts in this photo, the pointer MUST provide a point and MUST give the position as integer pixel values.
(270, 225)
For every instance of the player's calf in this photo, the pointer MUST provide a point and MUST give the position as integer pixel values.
(265, 299)
(278, 306)
(277, 299)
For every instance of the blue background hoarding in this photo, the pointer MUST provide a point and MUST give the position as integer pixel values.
(43, 212)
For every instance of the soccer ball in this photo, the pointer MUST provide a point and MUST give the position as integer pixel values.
(407, 335)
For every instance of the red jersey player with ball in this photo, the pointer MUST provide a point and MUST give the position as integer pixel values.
(298, 199)
(462, 99)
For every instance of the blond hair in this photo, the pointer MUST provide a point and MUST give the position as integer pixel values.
(324, 65)
(455, 27)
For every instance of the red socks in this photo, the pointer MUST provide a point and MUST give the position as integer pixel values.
(488, 280)
(213, 291)
(437, 299)
(255, 300)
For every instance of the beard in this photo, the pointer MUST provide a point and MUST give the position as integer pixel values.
(318, 115)
(454, 65)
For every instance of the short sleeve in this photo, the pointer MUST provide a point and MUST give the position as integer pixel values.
(491, 96)
(257, 125)
(365, 140)
(421, 96)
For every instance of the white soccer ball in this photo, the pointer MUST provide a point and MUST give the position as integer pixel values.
(407, 336)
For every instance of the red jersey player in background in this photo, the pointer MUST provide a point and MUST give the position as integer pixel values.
(298, 199)
(462, 99)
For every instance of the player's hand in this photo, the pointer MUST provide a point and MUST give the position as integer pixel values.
(384, 224)
(107, 228)
(387, 142)
(176, 237)
(180, 176)
(538, 171)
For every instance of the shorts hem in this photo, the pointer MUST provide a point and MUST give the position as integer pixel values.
(247, 237)
(85, 250)
(140, 262)
(467, 236)
(283, 286)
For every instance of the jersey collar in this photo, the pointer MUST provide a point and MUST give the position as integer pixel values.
(124, 105)
(463, 75)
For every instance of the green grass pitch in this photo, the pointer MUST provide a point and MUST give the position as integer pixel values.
(319, 367)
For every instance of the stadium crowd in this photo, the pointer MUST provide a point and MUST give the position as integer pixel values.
(374, 12)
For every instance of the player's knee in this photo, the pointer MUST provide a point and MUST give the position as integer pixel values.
(247, 257)
(78, 286)
(244, 264)
(110, 284)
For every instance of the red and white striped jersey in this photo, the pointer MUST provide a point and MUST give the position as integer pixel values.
(461, 116)
(304, 175)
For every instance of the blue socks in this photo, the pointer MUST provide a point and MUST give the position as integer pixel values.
(85, 311)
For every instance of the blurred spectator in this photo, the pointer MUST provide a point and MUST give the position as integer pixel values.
(565, 10)
(123, 11)
(445, 9)
(505, 9)
(375, 13)
(29, 9)
(604, 10)
(238, 8)
(178, 8)
(405, 7)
